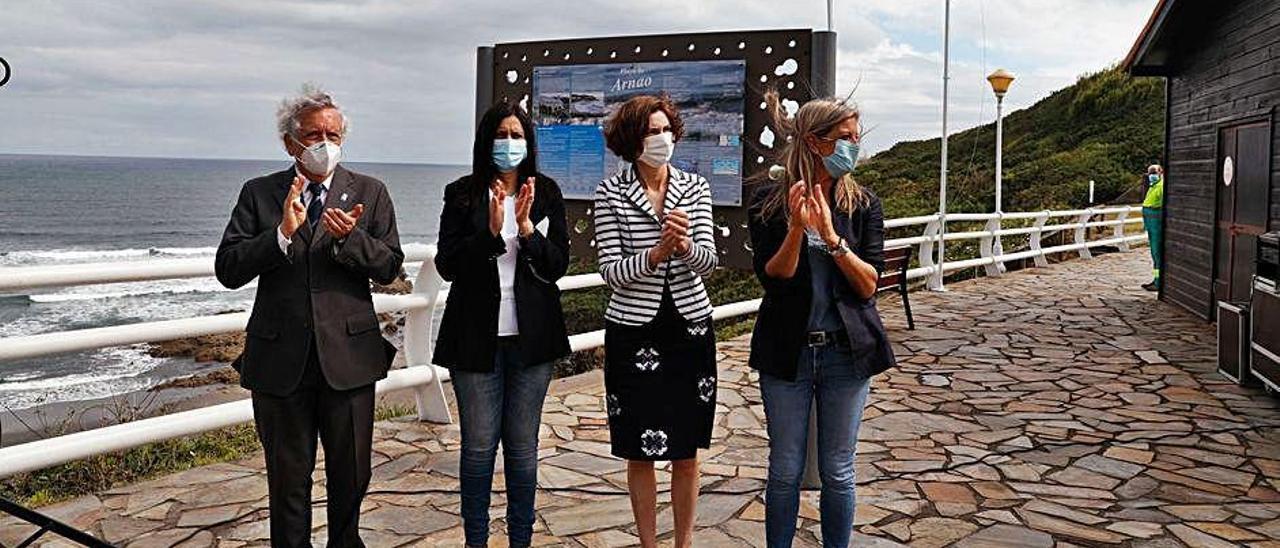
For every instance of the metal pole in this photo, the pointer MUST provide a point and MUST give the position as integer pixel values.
(935, 282)
(999, 152)
(830, 20)
(822, 79)
(822, 67)
(997, 248)
(484, 81)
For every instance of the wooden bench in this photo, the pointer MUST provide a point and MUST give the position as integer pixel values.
(896, 262)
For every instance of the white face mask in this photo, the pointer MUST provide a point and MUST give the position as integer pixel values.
(320, 158)
(658, 149)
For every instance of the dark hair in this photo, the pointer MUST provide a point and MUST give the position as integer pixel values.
(482, 169)
(625, 131)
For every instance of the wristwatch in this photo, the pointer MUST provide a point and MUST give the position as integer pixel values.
(839, 249)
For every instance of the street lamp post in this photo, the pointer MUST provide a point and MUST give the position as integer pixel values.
(937, 279)
(1000, 80)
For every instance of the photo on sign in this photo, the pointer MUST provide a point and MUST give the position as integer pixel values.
(571, 103)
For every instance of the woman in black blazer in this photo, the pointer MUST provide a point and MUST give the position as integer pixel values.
(818, 238)
(503, 243)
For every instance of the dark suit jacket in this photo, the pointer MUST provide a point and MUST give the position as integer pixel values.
(467, 256)
(782, 323)
(320, 287)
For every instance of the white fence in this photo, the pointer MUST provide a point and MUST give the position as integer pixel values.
(427, 380)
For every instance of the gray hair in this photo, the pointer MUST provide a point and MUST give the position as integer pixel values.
(310, 97)
(1154, 168)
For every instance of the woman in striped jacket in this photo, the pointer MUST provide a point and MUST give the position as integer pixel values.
(656, 240)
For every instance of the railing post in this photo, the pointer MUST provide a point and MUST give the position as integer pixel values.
(932, 235)
(1040, 259)
(989, 246)
(1082, 234)
(1118, 231)
(418, 329)
(997, 248)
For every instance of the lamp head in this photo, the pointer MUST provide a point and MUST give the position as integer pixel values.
(1000, 80)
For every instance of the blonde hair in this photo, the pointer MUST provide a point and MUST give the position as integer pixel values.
(816, 118)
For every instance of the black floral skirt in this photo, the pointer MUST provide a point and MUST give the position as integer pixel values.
(660, 386)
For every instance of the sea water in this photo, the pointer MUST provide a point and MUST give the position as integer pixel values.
(64, 210)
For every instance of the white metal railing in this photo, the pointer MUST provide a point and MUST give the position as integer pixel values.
(991, 253)
(425, 379)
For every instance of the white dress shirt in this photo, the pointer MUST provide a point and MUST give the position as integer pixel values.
(507, 324)
(306, 202)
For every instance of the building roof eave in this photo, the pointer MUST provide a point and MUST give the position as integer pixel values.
(1147, 57)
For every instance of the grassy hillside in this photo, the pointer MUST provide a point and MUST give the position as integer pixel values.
(1106, 127)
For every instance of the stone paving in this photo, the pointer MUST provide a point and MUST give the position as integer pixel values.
(1052, 407)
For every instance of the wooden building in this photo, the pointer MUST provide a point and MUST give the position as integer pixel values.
(1221, 64)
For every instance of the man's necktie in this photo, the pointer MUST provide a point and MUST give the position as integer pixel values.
(317, 204)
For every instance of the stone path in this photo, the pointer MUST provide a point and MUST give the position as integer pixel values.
(1053, 407)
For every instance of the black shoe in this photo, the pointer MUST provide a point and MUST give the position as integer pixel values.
(1151, 286)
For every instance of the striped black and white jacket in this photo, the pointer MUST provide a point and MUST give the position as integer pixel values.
(627, 227)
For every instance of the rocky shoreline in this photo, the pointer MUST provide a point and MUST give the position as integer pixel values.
(226, 347)
(207, 348)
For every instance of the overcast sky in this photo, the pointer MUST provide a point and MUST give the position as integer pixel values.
(202, 78)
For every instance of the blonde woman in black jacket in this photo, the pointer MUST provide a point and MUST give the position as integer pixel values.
(818, 238)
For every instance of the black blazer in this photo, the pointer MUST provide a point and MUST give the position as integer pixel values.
(781, 326)
(467, 255)
(319, 287)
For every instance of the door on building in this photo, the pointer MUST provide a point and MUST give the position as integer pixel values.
(1243, 202)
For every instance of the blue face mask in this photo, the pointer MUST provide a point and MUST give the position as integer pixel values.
(1153, 178)
(843, 159)
(508, 153)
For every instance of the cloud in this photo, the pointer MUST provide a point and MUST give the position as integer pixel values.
(202, 78)
(1046, 44)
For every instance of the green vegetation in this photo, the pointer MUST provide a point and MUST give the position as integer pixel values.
(1107, 127)
(102, 472)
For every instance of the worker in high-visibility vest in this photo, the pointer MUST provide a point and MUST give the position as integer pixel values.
(1152, 204)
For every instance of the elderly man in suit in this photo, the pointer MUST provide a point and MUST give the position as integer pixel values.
(313, 235)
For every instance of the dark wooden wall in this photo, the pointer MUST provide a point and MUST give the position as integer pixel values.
(1228, 73)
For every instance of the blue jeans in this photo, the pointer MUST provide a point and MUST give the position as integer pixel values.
(1151, 222)
(826, 373)
(502, 405)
